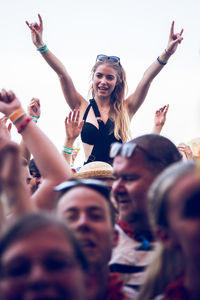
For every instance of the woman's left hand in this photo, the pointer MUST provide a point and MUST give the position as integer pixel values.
(174, 40)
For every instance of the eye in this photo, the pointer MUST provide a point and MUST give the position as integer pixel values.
(130, 178)
(98, 75)
(58, 263)
(110, 77)
(96, 215)
(16, 269)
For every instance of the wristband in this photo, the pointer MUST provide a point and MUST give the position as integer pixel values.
(23, 125)
(35, 119)
(18, 113)
(68, 150)
(43, 49)
(161, 62)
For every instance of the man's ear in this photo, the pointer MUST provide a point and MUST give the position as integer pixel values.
(115, 237)
(165, 236)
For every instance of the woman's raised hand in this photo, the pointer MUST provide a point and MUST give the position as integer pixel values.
(34, 108)
(72, 126)
(36, 32)
(8, 102)
(160, 116)
(174, 40)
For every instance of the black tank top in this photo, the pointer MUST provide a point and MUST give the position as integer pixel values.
(101, 138)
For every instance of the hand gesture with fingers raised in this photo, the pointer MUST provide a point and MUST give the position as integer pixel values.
(36, 32)
(34, 108)
(160, 115)
(72, 126)
(174, 40)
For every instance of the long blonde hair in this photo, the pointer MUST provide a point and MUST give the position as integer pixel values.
(118, 112)
(167, 264)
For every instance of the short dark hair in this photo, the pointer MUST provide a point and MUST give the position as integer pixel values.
(97, 185)
(34, 169)
(159, 152)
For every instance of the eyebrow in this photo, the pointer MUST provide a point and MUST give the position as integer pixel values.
(76, 209)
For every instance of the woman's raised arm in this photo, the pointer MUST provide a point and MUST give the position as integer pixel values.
(54, 169)
(135, 100)
(73, 98)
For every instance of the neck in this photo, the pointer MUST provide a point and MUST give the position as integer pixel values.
(100, 278)
(102, 101)
(192, 279)
(141, 227)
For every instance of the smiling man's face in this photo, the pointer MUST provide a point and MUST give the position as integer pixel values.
(132, 182)
(87, 213)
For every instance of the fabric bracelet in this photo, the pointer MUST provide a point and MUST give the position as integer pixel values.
(35, 119)
(65, 151)
(68, 150)
(43, 49)
(23, 125)
(161, 62)
(18, 113)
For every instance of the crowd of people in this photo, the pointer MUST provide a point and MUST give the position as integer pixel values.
(126, 224)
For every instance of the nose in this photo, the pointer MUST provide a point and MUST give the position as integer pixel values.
(83, 222)
(103, 80)
(117, 186)
(38, 275)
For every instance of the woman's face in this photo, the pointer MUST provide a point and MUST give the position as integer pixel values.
(40, 266)
(184, 216)
(104, 80)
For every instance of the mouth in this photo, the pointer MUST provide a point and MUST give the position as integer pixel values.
(122, 200)
(102, 88)
(87, 244)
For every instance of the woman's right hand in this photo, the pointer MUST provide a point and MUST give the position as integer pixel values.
(36, 32)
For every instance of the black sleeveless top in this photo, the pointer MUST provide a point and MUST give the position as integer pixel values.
(101, 138)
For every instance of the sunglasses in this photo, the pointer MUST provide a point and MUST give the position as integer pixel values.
(94, 184)
(127, 150)
(102, 57)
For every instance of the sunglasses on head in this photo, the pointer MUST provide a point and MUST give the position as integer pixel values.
(94, 184)
(102, 57)
(127, 150)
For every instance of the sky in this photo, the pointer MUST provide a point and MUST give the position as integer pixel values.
(77, 30)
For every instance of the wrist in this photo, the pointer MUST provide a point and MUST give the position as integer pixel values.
(69, 143)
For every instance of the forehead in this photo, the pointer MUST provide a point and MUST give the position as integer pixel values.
(106, 69)
(36, 243)
(135, 163)
(80, 198)
(183, 189)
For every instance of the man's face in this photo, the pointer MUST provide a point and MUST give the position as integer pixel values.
(42, 265)
(87, 214)
(131, 186)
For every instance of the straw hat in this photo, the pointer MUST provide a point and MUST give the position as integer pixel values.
(195, 146)
(95, 169)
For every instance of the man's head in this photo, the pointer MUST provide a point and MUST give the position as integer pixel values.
(136, 164)
(86, 207)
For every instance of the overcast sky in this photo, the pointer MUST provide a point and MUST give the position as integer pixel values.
(77, 30)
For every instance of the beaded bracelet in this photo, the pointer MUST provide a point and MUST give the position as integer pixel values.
(35, 119)
(23, 125)
(68, 150)
(161, 62)
(43, 49)
(18, 113)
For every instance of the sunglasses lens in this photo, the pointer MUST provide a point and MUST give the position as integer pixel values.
(128, 149)
(102, 57)
(115, 149)
(114, 58)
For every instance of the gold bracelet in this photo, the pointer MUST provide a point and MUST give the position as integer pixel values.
(18, 113)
